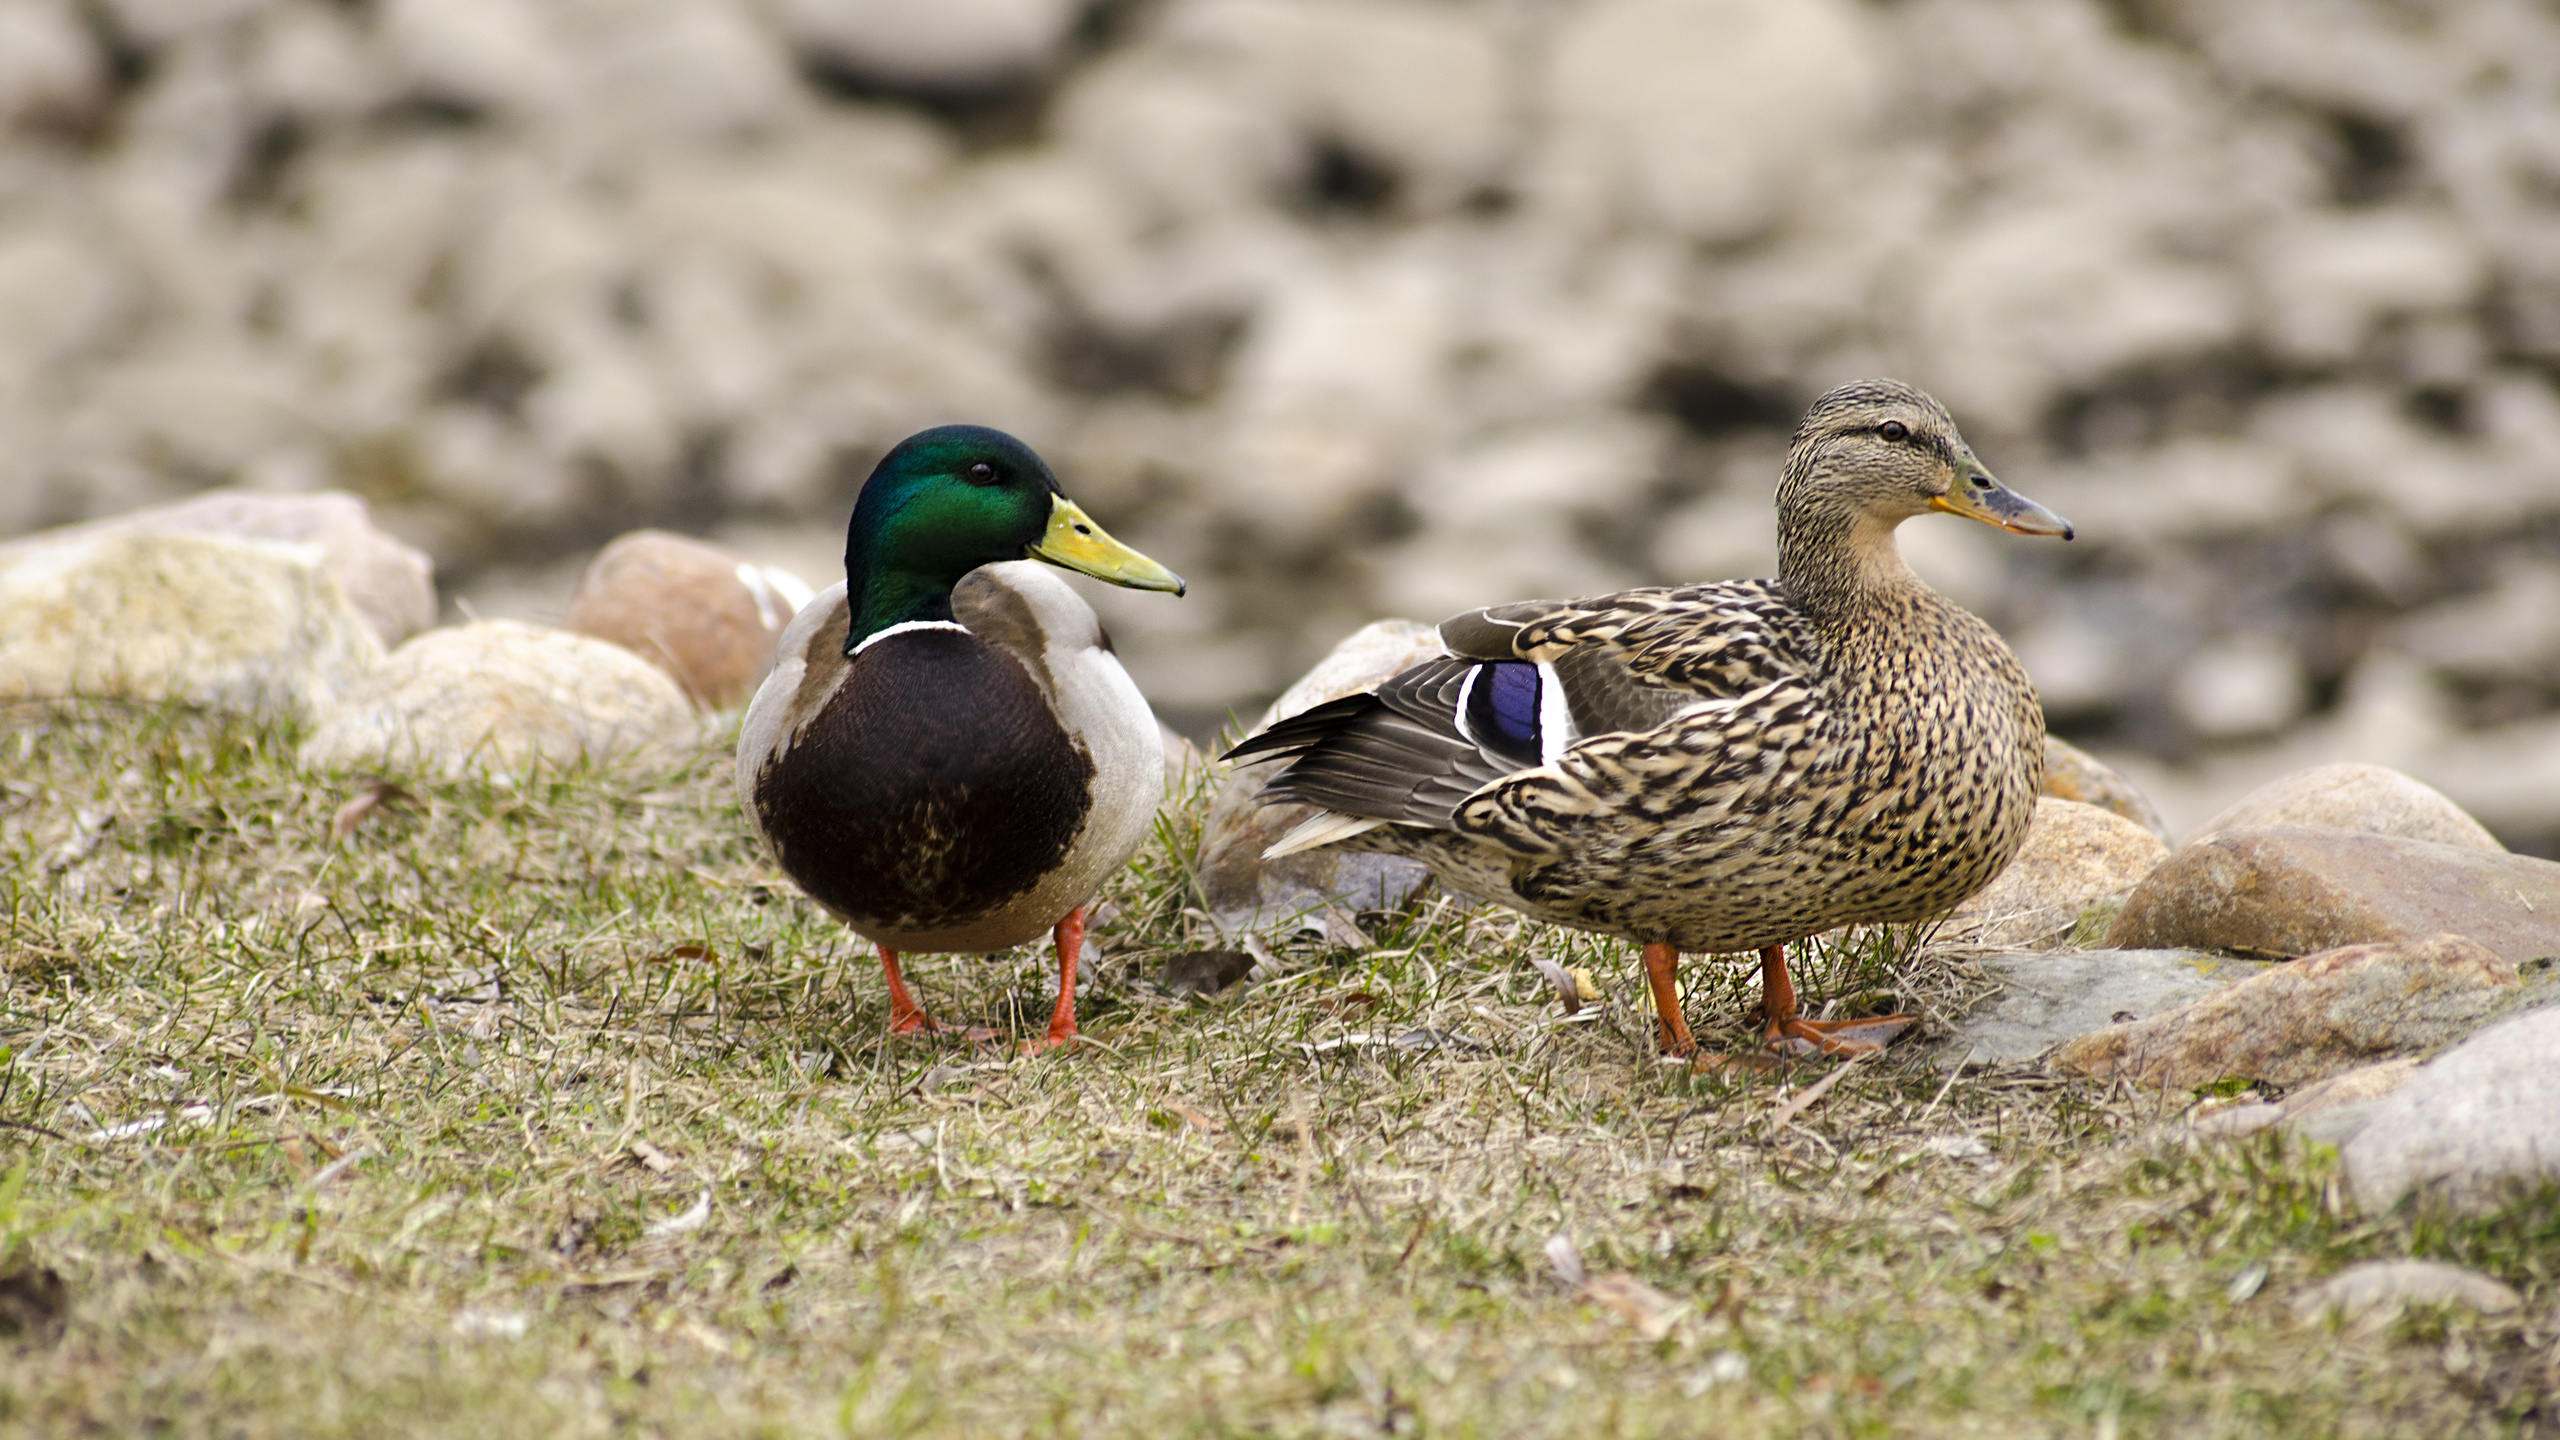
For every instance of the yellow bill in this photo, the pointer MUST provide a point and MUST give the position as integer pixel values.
(1075, 543)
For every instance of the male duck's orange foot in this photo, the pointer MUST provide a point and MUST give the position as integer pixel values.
(1796, 1035)
(1047, 1043)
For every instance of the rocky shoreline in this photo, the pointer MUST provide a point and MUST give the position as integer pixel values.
(1352, 308)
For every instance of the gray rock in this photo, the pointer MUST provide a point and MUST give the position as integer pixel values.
(248, 625)
(50, 68)
(2076, 856)
(2241, 686)
(391, 584)
(2368, 798)
(2317, 1017)
(2047, 998)
(2386, 1287)
(1658, 109)
(931, 45)
(1246, 891)
(2333, 1125)
(2281, 890)
(503, 699)
(2471, 1127)
(1418, 87)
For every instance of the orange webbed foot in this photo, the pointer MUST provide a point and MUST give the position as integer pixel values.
(1847, 1039)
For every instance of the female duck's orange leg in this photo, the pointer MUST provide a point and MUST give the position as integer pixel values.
(1661, 963)
(906, 1017)
(1062, 1022)
(1791, 1032)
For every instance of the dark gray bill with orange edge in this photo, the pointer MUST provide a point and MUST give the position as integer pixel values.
(1979, 497)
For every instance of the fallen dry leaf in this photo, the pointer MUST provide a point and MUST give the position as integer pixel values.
(1779, 1117)
(1195, 1119)
(355, 812)
(1647, 1311)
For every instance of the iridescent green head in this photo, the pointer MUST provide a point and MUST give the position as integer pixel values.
(953, 498)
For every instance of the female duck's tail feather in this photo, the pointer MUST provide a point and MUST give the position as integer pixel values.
(1322, 828)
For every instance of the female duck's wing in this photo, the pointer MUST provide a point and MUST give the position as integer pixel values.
(1632, 660)
(1525, 685)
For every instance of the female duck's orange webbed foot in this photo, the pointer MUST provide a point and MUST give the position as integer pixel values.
(1661, 962)
(1793, 1034)
(1062, 1022)
(1661, 965)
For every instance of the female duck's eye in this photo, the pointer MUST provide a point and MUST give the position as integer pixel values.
(1894, 430)
(982, 472)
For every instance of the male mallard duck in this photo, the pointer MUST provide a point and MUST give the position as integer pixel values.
(947, 755)
(1722, 767)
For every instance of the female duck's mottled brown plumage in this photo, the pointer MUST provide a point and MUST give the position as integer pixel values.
(1718, 767)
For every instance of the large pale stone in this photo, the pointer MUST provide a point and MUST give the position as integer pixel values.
(2071, 773)
(694, 610)
(504, 699)
(257, 626)
(2281, 890)
(1243, 889)
(2075, 856)
(2322, 1015)
(2369, 798)
(391, 584)
(2472, 1126)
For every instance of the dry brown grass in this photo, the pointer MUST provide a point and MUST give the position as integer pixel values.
(551, 1109)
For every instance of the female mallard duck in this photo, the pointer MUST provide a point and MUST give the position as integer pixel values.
(1721, 767)
(947, 755)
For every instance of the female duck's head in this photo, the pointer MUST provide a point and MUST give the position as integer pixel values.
(953, 498)
(1867, 457)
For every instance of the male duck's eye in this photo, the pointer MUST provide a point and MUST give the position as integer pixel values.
(1894, 430)
(982, 472)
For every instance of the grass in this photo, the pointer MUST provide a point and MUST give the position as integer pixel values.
(552, 1109)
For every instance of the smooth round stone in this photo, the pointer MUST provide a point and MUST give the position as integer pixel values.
(504, 699)
(2370, 798)
(2282, 890)
(2075, 856)
(703, 615)
(2071, 773)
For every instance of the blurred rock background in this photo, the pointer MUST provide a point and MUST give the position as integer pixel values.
(1358, 307)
